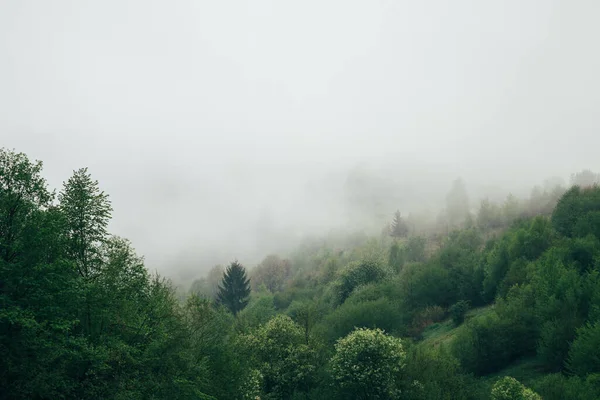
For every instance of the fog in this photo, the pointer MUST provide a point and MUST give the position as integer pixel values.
(226, 129)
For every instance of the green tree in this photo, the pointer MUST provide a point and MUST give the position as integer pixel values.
(208, 286)
(234, 290)
(279, 352)
(396, 257)
(356, 274)
(583, 355)
(368, 364)
(23, 191)
(273, 272)
(87, 211)
(508, 388)
(399, 227)
(414, 250)
(458, 311)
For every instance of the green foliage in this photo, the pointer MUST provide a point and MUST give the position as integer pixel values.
(584, 357)
(488, 343)
(208, 286)
(286, 364)
(509, 388)
(306, 314)
(356, 274)
(87, 212)
(273, 272)
(577, 212)
(560, 387)
(433, 374)
(259, 311)
(81, 317)
(458, 311)
(23, 192)
(414, 250)
(489, 215)
(396, 257)
(399, 227)
(368, 364)
(234, 289)
(381, 313)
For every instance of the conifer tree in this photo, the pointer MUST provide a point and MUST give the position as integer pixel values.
(399, 228)
(234, 289)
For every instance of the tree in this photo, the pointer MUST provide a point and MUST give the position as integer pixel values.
(278, 351)
(458, 311)
(208, 286)
(234, 290)
(489, 215)
(356, 274)
(22, 192)
(368, 364)
(273, 272)
(585, 178)
(396, 257)
(508, 388)
(399, 227)
(87, 211)
(583, 355)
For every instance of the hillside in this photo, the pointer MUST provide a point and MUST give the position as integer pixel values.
(499, 304)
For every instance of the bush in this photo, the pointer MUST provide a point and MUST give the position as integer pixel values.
(508, 388)
(425, 317)
(489, 343)
(368, 364)
(439, 376)
(458, 311)
(357, 274)
(381, 313)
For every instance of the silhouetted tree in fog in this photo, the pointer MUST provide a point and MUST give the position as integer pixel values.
(399, 227)
(234, 289)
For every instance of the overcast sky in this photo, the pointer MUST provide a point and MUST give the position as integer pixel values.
(205, 119)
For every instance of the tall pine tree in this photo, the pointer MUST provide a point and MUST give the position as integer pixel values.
(399, 228)
(234, 289)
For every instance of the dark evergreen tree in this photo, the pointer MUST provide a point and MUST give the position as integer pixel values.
(399, 227)
(234, 289)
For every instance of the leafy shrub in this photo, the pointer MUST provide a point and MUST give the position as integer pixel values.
(439, 376)
(381, 313)
(357, 274)
(458, 311)
(508, 388)
(425, 317)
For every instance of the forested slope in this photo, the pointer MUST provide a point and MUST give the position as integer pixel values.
(511, 291)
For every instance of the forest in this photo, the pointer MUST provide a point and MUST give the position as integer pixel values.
(492, 301)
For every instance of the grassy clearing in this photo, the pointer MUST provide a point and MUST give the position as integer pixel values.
(443, 332)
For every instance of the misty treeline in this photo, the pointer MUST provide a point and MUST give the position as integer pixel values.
(495, 300)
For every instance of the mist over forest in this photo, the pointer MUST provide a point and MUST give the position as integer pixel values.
(301, 146)
(219, 128)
